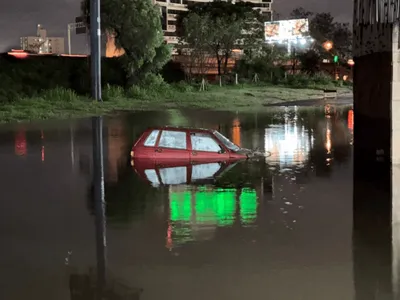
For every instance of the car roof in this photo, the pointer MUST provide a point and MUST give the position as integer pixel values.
(181, 128)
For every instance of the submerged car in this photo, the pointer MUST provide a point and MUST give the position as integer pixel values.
(165, 144)
(175, 174)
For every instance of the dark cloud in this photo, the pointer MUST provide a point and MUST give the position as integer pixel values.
(20, 18)
(342, 10)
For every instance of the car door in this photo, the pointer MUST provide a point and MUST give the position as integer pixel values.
(205, 148)
(172, 147)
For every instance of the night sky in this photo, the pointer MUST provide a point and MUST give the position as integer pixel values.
(20, 18)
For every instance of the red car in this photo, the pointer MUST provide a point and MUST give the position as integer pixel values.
(170, 174)
(174, 144)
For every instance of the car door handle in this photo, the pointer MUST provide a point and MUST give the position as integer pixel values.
(158, 150)
(194, 153)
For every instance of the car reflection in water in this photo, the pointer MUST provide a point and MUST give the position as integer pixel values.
(196, 207)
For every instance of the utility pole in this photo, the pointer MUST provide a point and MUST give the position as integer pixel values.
(95, 49)
(98, 160)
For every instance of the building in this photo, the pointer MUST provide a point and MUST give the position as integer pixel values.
(171, 8)
(42, 44)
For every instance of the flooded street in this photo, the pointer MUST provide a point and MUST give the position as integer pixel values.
(275, 228)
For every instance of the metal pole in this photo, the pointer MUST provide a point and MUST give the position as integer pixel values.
(99, 199)
(69, 38)
(95, 49)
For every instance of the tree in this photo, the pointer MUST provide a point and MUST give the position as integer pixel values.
(343, 40)
(227, 23)
(253, 40)
(196, 34)
(300, 13)
(266, 63)
(309, 61)
(136, 25)
(322, 26)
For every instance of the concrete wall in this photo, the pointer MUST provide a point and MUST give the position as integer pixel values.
(372, 93)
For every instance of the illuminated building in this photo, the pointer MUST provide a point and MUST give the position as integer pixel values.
(42, 44)
(171, 8)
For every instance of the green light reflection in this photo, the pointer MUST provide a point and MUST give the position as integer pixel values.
(207, 206)
(248, 206)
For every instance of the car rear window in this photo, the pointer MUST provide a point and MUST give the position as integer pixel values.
(151, 139)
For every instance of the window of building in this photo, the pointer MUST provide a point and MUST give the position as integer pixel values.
(174, 11)
(173, 139)
(175, 1)
(169, 33)
(204, 142)
(171, 22)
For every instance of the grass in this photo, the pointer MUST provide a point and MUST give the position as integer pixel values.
(63, 104)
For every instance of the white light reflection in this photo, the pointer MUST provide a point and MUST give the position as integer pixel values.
(288, 143)
(396, 230)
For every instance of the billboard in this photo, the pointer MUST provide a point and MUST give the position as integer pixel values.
(286, 30)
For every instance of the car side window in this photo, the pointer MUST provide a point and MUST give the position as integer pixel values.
(151, 139)
(173, 139)
(204, 142)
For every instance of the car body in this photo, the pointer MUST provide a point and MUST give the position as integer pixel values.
(183, 144)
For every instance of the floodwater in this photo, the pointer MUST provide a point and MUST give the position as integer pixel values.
(275, 228)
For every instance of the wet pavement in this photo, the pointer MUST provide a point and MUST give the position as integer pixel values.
(274, 228)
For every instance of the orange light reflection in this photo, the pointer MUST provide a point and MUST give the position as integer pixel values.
(236, 137)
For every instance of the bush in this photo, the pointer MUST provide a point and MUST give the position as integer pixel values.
(183, 87)
(309, 81)
(322, 78)
(59, 95)
(110, 93)
(30, 76)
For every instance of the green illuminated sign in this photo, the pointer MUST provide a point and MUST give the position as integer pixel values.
(335, 58)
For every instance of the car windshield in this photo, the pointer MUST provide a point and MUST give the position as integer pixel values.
(226, 141)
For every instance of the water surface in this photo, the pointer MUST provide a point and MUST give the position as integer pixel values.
(273, 228)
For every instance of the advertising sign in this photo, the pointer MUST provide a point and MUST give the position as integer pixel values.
(286, 30)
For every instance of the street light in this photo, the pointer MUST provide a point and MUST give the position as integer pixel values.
(351, 63)
(328, 45)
